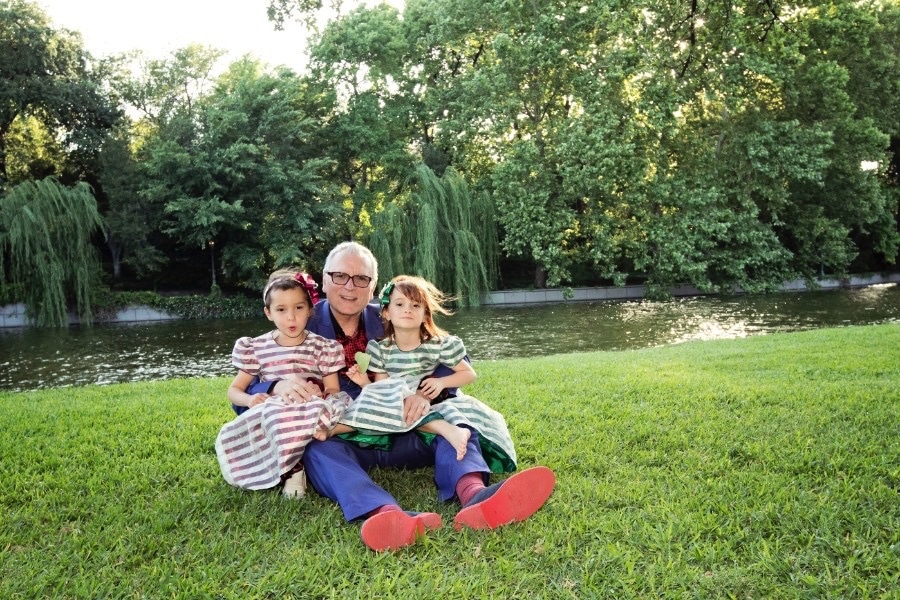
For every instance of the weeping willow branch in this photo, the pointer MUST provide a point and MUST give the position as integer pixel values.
(387, 240)
(441, 232)
(428, 246)
(469, 276)
(45, 242)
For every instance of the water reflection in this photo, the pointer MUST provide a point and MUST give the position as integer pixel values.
(531, 331)
(32, 358)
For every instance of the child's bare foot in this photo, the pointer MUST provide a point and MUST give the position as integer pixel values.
(459, 439)
(323, 426)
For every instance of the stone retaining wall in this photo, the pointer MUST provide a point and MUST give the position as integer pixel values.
(636, 292)
(13, 315)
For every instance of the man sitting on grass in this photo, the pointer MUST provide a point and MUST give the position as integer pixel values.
(338, 469)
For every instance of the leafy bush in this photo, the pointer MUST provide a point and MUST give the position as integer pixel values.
(213, 306)
(11, 293)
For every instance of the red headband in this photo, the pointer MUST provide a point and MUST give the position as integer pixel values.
(305, 281)
(309, 285)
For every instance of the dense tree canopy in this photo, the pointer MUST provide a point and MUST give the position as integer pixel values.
(46, 81)
(709, 143)
(715, 144)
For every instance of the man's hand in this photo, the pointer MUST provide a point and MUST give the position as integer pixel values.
(415, 407)
(296, 390)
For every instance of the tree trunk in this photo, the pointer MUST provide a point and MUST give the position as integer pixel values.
(212, 260)
(540, 277)
(116, 254)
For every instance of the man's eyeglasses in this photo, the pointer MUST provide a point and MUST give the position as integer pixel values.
(339, 278)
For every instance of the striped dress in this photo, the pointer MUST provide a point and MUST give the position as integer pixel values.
(379, 407)
(268, 440)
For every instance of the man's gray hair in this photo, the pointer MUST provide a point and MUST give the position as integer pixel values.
(357, 249)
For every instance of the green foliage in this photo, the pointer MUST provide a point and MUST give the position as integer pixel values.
(167, 91)
(239, 167)
(45, 239)
(686, 143)
(107, 302)
(214, 305)
(537, 220)
(131, 218)
(389, 242)
(676, 142)
(31, 151)
(45, 75)
(443, 233)
(11, 293)
(370, 36)
(763, 467)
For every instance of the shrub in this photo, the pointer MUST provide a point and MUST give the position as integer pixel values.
(213, 306)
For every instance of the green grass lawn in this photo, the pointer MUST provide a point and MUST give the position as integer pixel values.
(767, 467)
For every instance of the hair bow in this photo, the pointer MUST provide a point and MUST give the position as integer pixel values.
(309, 285)
(385, 297)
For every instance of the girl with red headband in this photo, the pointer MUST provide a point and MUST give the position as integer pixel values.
(264, 445)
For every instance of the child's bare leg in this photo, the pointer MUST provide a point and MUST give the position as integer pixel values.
(457, 436)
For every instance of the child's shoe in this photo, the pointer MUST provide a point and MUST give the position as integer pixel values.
(295, 485)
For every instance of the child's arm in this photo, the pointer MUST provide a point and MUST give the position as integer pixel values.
(331, 384)
(463, 374)
(238, 396)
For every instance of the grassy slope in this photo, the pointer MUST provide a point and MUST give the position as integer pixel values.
(763, 467)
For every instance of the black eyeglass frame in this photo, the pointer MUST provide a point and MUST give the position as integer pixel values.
(345, 277)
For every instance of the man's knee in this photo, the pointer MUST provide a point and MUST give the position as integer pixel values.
(318, 449)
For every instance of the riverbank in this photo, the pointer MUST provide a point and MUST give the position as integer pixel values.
(637, 292)
(34, 357)
(763, 467)
(13, 315)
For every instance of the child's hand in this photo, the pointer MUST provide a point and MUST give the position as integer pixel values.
(431, 387)
(360, 379)
(299, 391)
(295, 390)
(258, 398)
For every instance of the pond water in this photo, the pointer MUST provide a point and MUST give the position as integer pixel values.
(33, 358)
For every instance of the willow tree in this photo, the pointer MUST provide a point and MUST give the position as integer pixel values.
(45, 242)
(443, 232)
(389, 240)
